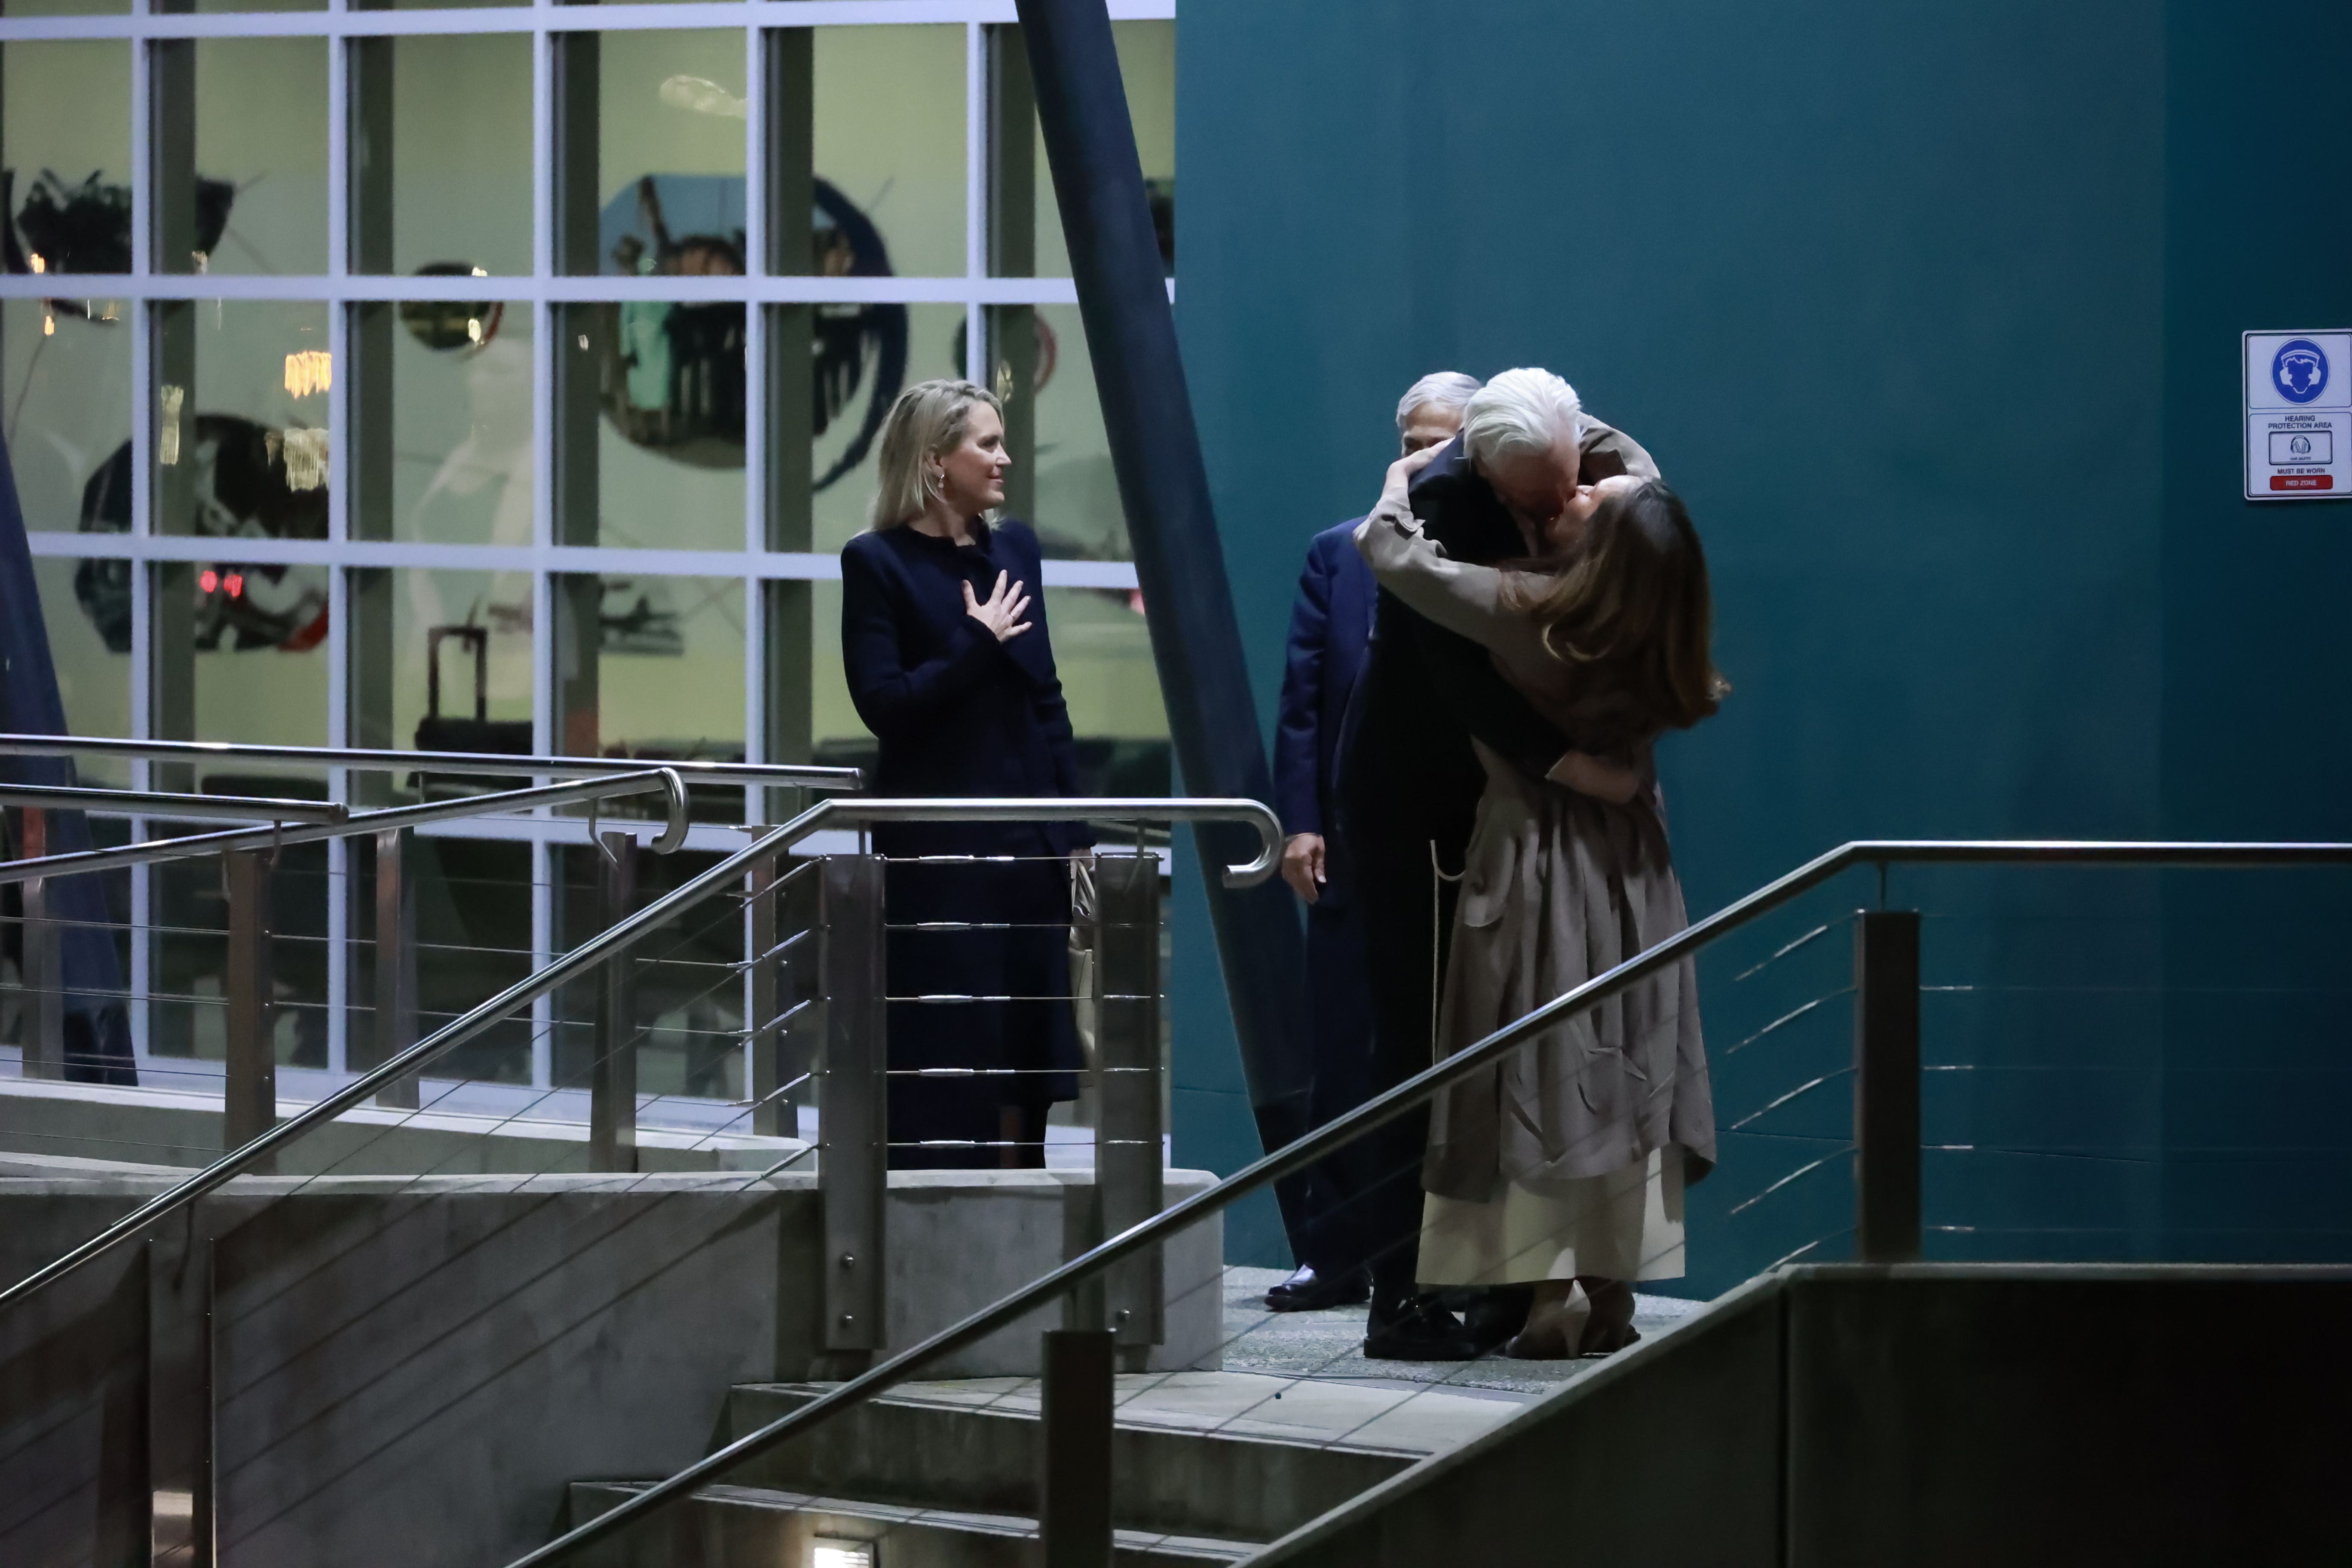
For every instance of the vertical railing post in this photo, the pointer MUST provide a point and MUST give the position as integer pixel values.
(1129, 1138)
(1886, 1086)
(772, 1109)
(613, 1073)
(395, 960)
(179, 1379)
(249, 1103)
(853, 1154)
(45, 971)
(1074, 1511)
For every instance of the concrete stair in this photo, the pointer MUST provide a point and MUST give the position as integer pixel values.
(1206, 1468)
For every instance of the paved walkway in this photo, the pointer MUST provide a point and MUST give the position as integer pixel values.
(1403, 1419)
(1302, 1377)
(1328, 1346)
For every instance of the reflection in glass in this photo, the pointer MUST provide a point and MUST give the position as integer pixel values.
(1103, 651)
(65, 143)
(188, 1013)
(250, 194)
(241, 452)
(650, 666)
(1054, 425)
(252, 642)
(444, 422)
(64, 373)
(473, 940)
(441, 660)
(670, 153)
(689, 1019)
(866, 355)
(889, 138)
(442, 143)
(1147, 65)
(663, 384)
(93, 667)
(69, 7)
(241, 418)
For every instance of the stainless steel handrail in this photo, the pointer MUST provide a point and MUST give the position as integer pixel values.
(354, 824)
(1386, 1107)
(475, 764)
(1104, 809)
(619, 938)
(160, 802)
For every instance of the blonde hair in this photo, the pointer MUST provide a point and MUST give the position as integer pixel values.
(929, 420)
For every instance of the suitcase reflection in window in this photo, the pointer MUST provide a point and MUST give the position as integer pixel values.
(481, 733)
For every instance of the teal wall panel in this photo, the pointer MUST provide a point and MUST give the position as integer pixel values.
(2258, 1088)
(1896, 296)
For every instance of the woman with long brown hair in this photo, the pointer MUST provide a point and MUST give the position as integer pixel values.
(1562, 1168)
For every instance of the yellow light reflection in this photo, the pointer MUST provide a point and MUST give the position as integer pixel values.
(308, 373)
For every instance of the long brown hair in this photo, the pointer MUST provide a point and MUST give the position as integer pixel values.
(1632, 607)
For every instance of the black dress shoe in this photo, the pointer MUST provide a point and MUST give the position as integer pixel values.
(1307, 1292)
(1496, 1313)
(1416, 1328)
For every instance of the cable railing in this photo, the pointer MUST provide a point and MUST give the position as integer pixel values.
(810, 942)
(616, 1034)
(1883, 1146)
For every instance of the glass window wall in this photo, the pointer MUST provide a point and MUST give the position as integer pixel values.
(537, 392)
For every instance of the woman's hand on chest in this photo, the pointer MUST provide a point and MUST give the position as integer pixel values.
(1003, 613)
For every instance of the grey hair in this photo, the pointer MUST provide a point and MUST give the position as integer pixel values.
(929, 420)
(1447, 389)
(1521, 411)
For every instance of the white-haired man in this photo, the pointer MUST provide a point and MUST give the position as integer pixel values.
(1330, 629)
(1511, 484)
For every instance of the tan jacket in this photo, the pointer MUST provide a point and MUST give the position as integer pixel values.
(1556, 888)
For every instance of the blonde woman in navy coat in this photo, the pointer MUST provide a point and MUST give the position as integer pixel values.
(944, 645)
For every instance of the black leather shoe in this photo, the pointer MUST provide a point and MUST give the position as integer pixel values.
(1416, 1328)
(1307, 1292)
(1495, 1314)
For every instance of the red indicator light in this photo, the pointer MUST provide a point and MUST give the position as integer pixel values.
(209, 580)
(236, 585)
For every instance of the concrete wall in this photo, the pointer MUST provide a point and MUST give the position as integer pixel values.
(1931, 312)
(1940, 1414)
(410, 1371)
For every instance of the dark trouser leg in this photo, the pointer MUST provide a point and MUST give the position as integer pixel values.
(1383, 1197)
(1341, 1016)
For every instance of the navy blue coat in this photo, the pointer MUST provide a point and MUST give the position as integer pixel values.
(957, 712)
(1331, 626)
(1330, 630)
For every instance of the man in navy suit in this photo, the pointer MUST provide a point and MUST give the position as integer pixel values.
(1331, 627)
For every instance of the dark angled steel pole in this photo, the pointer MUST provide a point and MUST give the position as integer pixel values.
(1164, 487)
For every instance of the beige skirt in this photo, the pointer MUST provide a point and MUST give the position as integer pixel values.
(1625, 1225)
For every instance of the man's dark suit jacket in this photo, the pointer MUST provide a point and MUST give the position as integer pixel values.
(1331, 631)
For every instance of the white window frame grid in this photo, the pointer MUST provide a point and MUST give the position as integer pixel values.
(542, 290)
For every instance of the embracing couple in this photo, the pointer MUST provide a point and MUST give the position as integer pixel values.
(1543, 617)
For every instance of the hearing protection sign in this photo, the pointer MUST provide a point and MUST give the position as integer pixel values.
(2298, 408)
